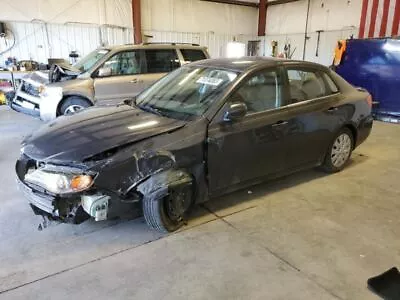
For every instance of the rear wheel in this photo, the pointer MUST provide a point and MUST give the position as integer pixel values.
(167, 214)
(339, 152)
(73, 104)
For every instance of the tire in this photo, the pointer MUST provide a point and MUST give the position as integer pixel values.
(73, 104)
(339, 151)
(158, 214)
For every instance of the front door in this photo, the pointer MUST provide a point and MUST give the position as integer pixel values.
(124, 79)
(243, 151)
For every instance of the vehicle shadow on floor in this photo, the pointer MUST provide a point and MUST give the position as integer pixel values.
(251, 196)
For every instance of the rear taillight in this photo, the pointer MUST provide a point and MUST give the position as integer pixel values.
(369, 101)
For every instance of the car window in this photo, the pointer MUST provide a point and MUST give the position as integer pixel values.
(331, 84)
(124, 63)
(161, 61)
(190, 55)
(261, 92)
(87, 62)
(186, 92)
(305, 85)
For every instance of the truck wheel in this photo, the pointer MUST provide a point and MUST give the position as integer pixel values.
(167, 214)
(73, 104)
(339, 151)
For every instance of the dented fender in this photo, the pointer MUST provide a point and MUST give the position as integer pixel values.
(158, 185)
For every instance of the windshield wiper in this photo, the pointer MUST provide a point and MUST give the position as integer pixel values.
(150, 108)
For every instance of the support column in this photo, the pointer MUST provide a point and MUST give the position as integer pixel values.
(137, 22)
(262, 17)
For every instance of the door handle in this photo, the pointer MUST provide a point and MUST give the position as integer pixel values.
(332, 109)
(280, 123)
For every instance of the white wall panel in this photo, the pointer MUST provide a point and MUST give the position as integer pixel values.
(33, 42)
(112, 12)
(198, 16)
(337, 18)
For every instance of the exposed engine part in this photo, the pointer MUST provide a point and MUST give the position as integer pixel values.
(96, 206)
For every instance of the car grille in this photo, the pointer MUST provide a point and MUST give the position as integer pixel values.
(30, 89)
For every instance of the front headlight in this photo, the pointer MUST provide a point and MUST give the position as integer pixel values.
(42, 89)
(59, 183)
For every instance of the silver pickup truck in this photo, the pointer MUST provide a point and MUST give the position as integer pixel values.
(106, 76)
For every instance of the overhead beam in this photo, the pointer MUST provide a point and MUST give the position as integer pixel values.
(251, 4)
(262, 17)
(234, 2)
(277, 2)
(137, 22)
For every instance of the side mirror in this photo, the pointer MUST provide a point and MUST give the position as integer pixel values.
(235, 112)
(104, 72)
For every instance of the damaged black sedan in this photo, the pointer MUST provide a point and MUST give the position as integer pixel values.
(206, 129)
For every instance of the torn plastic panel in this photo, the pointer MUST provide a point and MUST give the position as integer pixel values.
(158, 186)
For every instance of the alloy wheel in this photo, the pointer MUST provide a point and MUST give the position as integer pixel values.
(70, 110)
(341, 150)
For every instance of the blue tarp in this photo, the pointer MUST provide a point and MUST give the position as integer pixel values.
(374, 64)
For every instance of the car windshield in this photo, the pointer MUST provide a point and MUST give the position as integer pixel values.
(89, 60)
(187, 92)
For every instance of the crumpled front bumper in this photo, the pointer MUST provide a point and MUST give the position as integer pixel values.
(68, 210)
(39, 202)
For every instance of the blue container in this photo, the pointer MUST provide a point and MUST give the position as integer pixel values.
(374, 64)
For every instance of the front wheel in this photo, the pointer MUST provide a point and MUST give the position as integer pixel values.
(167, 214)
(339, 152)
(72, 105)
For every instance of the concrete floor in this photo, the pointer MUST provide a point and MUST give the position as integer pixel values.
(307, 236)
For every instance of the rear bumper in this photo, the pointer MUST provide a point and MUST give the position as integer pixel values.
(364, 129)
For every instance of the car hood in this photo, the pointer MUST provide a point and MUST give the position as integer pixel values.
(93, 131)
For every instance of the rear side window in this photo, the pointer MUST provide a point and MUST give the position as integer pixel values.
(161, 61)
(331, 84)
(306, 85)
(190, 55)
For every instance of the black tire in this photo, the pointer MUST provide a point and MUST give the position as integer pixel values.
(329, 165)
(157, 212)
(78, 103)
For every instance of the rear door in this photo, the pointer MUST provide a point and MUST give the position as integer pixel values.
(157, 63)
(125, 79)
(314, 115)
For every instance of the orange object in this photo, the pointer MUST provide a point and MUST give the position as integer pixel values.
(81, 182)
(339, 51)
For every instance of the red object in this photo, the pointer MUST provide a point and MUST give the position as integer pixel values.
(137, 22)
(374, 13)
(363, 18)
(396, 19)
(262, 17)
(385, 15)
(379, 18)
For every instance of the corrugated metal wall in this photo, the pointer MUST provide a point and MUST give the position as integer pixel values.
(39, 41)
(215, 42)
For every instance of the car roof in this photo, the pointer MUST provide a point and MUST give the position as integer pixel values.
(155, 46)
(247, 63)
